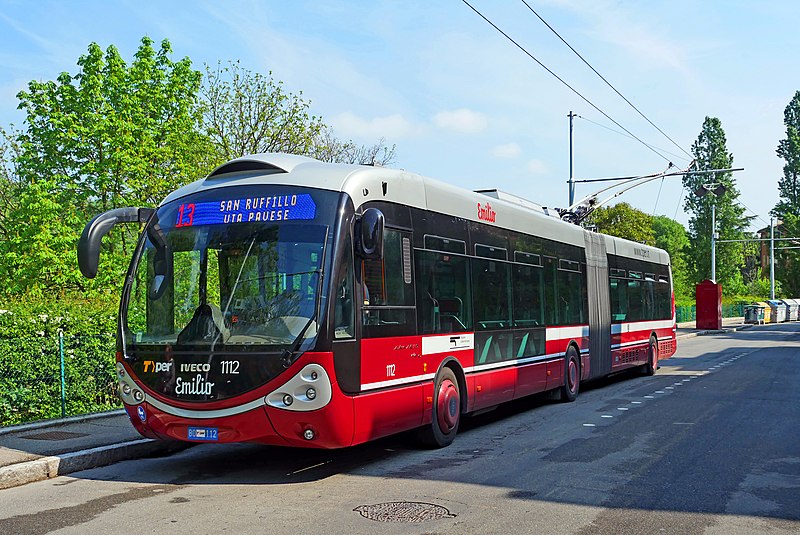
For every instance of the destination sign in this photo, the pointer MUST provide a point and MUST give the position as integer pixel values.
(251, 209)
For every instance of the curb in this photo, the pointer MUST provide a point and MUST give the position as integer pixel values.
(714, 331)
(54, 466)
(20, 428)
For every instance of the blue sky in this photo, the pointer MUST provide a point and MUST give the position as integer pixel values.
(462, 103)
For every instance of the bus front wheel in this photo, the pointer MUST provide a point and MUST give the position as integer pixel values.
(446, 412)
(572, 375)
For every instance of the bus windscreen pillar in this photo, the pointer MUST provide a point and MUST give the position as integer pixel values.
(709, 305)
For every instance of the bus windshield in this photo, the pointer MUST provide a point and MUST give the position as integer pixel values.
(219, 285)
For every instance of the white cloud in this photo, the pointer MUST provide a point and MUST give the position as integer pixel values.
(537, 167)
(350, 125)
(509, 150)
(462, 120)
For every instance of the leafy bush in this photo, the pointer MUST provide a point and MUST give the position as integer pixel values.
(30, 378)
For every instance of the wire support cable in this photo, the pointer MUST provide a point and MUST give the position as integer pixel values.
(626, 135)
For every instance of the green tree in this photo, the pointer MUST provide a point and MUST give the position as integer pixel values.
(673, 238)
(787, 260)
(9, 178)
(624, 221)
(246, 112)
(789, 150)
(710, 152)
(788, 207)
(111, 135)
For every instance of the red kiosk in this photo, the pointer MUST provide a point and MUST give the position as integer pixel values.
(709, 305)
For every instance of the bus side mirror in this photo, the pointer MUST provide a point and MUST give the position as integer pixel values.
(93, 232)
(369, 234)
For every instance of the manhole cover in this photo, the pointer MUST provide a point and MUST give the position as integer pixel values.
(55, 435)
(410, 512)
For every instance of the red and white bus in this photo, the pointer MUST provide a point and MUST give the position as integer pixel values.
(287, 301)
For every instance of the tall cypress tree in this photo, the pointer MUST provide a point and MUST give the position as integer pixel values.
(710, 152)
(787, 269)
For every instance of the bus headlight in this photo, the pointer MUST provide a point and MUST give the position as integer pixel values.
(308, 390)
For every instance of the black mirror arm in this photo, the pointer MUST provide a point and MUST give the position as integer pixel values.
(93, 232)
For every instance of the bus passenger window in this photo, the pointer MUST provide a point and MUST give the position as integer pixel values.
(443, 293)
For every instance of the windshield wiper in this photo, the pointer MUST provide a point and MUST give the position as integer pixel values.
(290, 355)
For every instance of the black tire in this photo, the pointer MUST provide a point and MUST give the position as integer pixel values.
(446, 412)
(652, 358)
(572, 375)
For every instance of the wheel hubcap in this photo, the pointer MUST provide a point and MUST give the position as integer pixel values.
(448, 406)
(572, 375)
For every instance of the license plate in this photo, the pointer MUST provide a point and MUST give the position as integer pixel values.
(203, 433)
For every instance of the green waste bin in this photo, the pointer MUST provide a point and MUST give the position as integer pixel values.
(754, 314)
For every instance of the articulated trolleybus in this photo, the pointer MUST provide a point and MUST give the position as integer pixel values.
(287, 301)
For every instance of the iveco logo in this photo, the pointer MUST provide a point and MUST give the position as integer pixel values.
(196, 367)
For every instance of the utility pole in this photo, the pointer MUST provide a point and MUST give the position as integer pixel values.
(571, 176)
(771, 259)
(714, 242)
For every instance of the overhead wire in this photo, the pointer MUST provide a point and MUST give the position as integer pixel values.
(557, 77)
(590, 103)
(604, 79)
(623, 97)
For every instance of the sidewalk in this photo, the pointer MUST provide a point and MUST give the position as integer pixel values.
(42, 450)
(688, 330)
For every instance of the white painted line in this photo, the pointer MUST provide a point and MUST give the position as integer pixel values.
(670, 388)
(622, 408)
(606, 416)
(659, 391)
(588, 425)
(636, 402)
(650, 397)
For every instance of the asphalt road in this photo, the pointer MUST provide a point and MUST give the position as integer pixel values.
(711, 444)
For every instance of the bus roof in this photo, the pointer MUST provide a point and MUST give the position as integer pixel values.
(373, 183)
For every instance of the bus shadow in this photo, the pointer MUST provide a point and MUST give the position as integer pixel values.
(565, 467)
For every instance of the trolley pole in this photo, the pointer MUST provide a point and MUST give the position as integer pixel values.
(571, 176)
(771, 259)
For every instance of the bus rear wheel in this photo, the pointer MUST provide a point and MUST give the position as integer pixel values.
(652, 358)
(572, 375)
(446, 412)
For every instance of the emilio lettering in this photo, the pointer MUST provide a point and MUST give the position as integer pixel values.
(195, 387)
(485, 213)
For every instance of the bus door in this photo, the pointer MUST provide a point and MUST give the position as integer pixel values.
(599, 306)
(391, 352)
